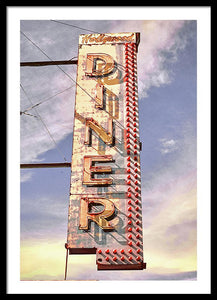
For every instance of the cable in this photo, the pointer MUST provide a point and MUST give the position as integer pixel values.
(45, 100)
(75, 26)
(80, 28)
(27, 114)
(76, 83)
(36, 45)
(50, 135)
(57, 65)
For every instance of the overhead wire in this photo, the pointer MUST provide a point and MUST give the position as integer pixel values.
(74, 26)
(57, 65)
(45, 100)
(45, 126)
(76, 83)
(63, 23)
(27, 114)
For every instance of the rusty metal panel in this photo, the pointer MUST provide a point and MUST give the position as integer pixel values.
(105, 212)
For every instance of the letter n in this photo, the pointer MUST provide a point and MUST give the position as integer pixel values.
(91, 124)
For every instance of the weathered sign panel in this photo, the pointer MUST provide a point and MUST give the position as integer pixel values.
(105, 212)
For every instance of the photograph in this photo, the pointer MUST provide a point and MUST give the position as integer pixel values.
(110, 183)
(128, 108)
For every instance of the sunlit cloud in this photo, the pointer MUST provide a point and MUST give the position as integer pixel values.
(168, 191)
(160, 42)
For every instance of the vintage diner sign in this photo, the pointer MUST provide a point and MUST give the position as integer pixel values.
(105, 211)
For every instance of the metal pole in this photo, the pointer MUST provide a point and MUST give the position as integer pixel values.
(45, 165)
(48, 63)
(67, 251)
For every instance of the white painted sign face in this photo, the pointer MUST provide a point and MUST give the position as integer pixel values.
(105, 212)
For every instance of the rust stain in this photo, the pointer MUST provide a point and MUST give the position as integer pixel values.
(103, 38)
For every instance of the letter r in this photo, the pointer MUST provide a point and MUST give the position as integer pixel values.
(98, 217)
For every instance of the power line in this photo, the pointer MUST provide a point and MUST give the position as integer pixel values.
(35, 45)
(27, 114)
(82, 29)
(45, 126)
(75, 26)
(45, 100)
(76, 83)
(57, 65)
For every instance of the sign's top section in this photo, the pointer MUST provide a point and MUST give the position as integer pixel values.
(109, 38)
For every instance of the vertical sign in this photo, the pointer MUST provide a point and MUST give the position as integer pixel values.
(105, 212)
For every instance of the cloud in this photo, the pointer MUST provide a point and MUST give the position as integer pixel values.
(160, 44)
(169, 190)
(25, 176)
(49, 264)
(168, 146)
(169, 195)
(53, 120)
(43, 216)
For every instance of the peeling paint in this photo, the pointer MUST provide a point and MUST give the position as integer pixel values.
(106, 125)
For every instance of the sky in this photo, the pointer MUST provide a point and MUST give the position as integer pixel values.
(167, 83)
